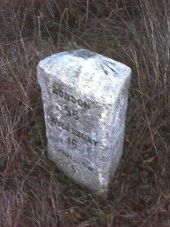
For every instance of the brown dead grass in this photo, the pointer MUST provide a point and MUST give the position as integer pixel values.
(33, 192)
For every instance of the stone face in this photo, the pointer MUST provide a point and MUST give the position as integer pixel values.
(85, 100)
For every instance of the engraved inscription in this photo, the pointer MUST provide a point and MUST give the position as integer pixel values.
(71, 113)
(75, 136)
(82, 163)
(72, 142)
(81, 135)
(70, 98)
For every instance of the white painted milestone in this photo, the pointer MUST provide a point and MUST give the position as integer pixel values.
(85, 99)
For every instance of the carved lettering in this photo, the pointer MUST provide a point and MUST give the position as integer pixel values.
(83, 163)
(70, 98)
(75, 132)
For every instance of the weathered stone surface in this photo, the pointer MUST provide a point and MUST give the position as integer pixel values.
(85, 100)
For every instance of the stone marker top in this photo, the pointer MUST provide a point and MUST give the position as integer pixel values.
(93, 72)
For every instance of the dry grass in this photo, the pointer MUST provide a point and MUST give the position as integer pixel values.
(33, 192)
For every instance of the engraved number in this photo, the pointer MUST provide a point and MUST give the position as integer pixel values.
(71, 113)
(72, 142)
(73, 168)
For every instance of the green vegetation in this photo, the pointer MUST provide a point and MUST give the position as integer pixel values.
(33, 192)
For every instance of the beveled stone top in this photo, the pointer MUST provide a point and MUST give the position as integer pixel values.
(93, 72)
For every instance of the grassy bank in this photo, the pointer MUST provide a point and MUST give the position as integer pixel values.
(33, 192)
